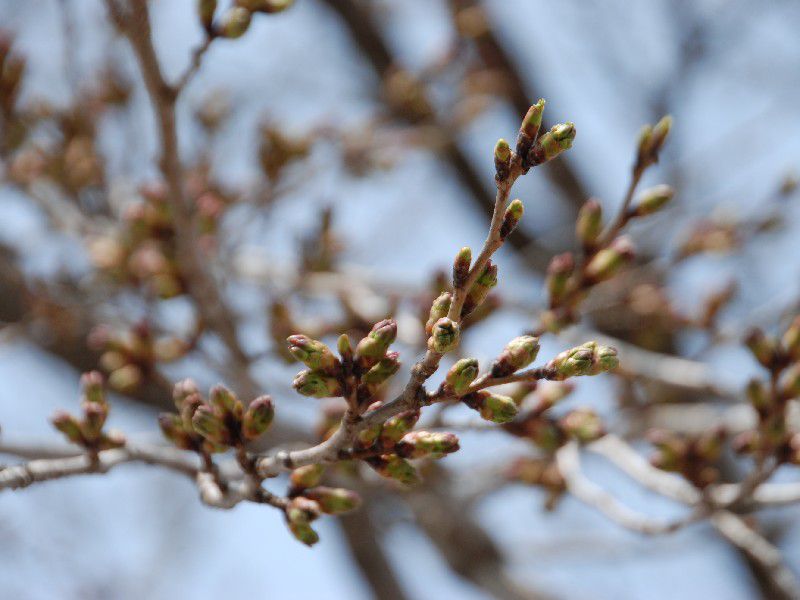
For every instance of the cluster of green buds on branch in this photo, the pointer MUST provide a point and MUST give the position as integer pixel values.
(87, 430)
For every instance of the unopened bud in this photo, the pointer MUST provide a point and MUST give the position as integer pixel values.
(652, 200)
(762, 347)
(502, 159)
(383, 370)
(608, 261)
(651, 139)
(480, 289)
(172, 427)
(589, 223)
(225, 402)
(313, 353)
(439, 310)
(460, 271)
(582, 424)
(303, 532)
(492, 407)
(235, 23)
(396, 427)
(394, 467)
(586, 359)
(420, 444)
(559, 272)
(529, 130)
(69, 426)
(92, 384)
(125, 379)
(334, 501)
(444, 336)
(258, 417)
(182, 390)
(374, 346)
(758, 396)
(307, 476)
(790, 384)
(462, 374)
(518, 354)
(511, 218)
(94, 417)
(205, 10)
(552, 143)
(345, 348)
(317, 384)
(207, 424)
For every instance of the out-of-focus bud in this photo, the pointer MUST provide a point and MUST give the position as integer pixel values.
(94, 417)
(559, 271)
(746, 442)
(589, 223)
(790, 382)
(126, 379)
(439, 310)
(92, 384)
(502, 159)
(303, 532)
(110, 440)
(300, 513)
(710, 444)
(225, 402)
(69, 426)
(460, 272)
(512, 216)
(205, 10)
(189, 405)
(518, 354)
(265, 6)
(462, 374)
(396, 427)
(582, 424)
(758, 396)
(421, 444)
(608, 261)
(444, 336)
(307, 476)
(651, 139)
(182, 390)
(394, 467)
(373, 347)
(317, 384)
(672, 450)
(383, 370)
(552, 143)
(313, 353)
(652, 200)
(334, 501)
(492, 407)
(791, 340)
(529, 130)
(480, 289)
(258, 417)
(172, 427)
(207, 424)
(235, 23)
(762, 347)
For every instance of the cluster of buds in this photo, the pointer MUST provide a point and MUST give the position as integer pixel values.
(589, 358)
(130, 356)
(87, 430)
(214, 424)
(535, 149)
(694, 457)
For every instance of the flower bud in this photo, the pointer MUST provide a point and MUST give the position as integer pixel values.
(589, 223)
(307, 476)
(125, 379)
(303, 532)
(421, 444)
(791, 340)
(762, 347)
(94, 417)
(651, 139)
(582, 424)
(334, 501)
(608, 261)
(300, 513)
(480, 289)
(394, 467)
(382, 371)
(444, 336)
(502, 159)
(258, 417)
(492, 407)
(235, 23)
(172, 427)
(652, 200)
(460, 269)
(758, 396)
(265, 6)
(529, 130)
(396, 427)
(205, 10)
(69, 426)
(188, 406)
(92, 384)
(345, 348)
(207, 424)
(182, 390)
(461, 375)
(790, 384)
(552, 143)
(512, 216)
(439, 310)
(314, 354)
(317, 384)
(374, 346)
(559, 272)
(586, 359)
(518, 354)
(225, 402)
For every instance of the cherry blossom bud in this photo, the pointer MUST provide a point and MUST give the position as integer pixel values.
(480, 289)
(444, 336)
(518, 354)
(511, 218)
(374, 346)
(421, 444)
(492, 407)
(317, 384)
(92, 384)
(394, 467)
(126, 379)
(69, 426)
(211, 427)
(651, 139)
(235, 23)
(559, 272)
(334, 501)
(94, 417)
(608, 261)
(182, 390)
(313, 353)
(345, 348)
(502, 159)
(529, 130)
(460, 272)
(439, 310)
(462, 374)
(258, 417)
(225, 402)
(758, 396)
(582, 424)
(382, 371)
(307, 476)
(396, 427)
(552, 143)
(205, 10)
(652, 200)
(589, 223)
(763, 348)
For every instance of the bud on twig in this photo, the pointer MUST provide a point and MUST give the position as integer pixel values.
(651, 139)
(373, 347)
(299, 514)
(422, 444)
(492, 407)
(586, 359)
(480, 289)
(762, 347)
(461, 375)
(589, 224)
(307, 476)
(518, 354)
(235, 23)
(92, 384)
(258, 417)
(460, 271)
(582, 424)
(69, 426)
(511, 218)
(552, 143)
(444, 336)
(333, 501)
(652, 200)
(396, 427)
(225, 403)
(313, 353)
(205, 10)
(207, 424)
(317, 384)
(559, 272)
(529, 130)
(502, 159)
(608, 261)
(182, 390)
(439, 309)
(394, 467)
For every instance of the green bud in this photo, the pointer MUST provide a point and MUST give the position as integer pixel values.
(552, 143)
(762, 347)
(439, 310)
(790, 384)
(512, 216)
(502, 158)
(207, 424)
(334, 501)
(421, 444)
(559, 272)
(492, 407)
(307, 476)
(317, 384)
(462, 374)
(235, 23)
(480, 289)
(604, 359)
(182, 390)
(392, 466)
(460, 272)
(303, 532)
(188, 406)
(444, 336)
(608, 261)
(205, 10)
(652, 200)
(518, 354)
(396, 427)
(589, 224)
(758, 396)
(69, 426)
(651, 139)
(225, 402)
(125, 379)
(172, 427)
(266, 6)
(345, 348)
(258, 417)
(791, 340)
(373, 347)
(586, 359)
(92, 384)
(313, 353)
(582, 424)
(532, 122)
(94, 417)
(383, 370)
(302, 510)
